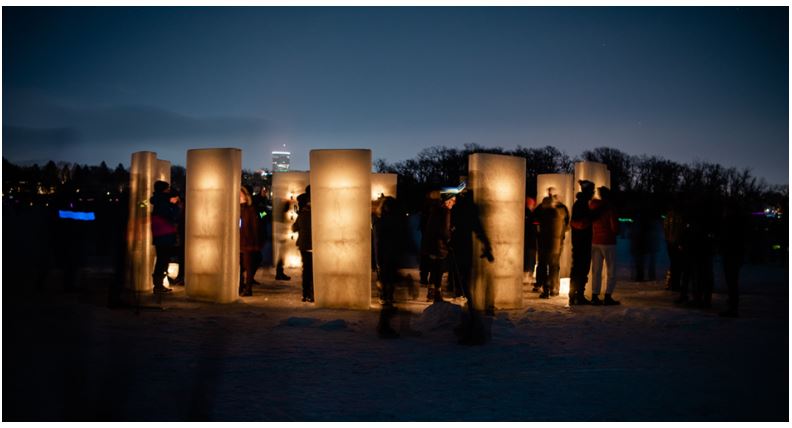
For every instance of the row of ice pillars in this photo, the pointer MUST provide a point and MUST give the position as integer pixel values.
(342, 188)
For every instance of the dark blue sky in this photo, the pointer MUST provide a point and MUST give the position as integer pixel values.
(93, 84)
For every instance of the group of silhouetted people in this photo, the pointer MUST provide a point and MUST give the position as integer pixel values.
(694, 229)
(167, 230)
(594, 229)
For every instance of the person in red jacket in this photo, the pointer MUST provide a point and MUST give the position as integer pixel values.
(605, 227)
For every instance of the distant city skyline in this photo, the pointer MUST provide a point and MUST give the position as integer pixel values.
(88, 84)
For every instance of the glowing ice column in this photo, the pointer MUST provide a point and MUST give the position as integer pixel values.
(286, 186)
(383, 184)
(341, 227)
(140, 251)
(498, 185)
(592, 171)
(162, 173)
(212, 224)
(566, 195)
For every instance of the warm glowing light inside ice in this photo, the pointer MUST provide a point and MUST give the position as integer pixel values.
(293, 261)
(498, 186)
(564, 290)
(173, 270)
(212, 224)
(341, 227)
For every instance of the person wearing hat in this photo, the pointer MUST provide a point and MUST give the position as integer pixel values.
(604, 227)
(581, 243)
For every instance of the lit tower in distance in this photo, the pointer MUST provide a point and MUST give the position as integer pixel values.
(280, 160)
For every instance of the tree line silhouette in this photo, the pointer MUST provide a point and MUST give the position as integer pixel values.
(632, 177)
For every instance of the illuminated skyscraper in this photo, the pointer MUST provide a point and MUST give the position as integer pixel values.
(280, 161)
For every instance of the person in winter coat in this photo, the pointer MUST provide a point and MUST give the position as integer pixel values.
(581, 244)
(249, 242)
(164, 218)
(388, 230)
(465, 223)
(604, 227)
(303, 227)
(531, 241)
(437, 236)
(425, 263)
(553, 219)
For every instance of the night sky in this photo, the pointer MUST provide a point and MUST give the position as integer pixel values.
(92, 84)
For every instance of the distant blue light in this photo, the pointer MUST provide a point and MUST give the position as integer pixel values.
(77, 215)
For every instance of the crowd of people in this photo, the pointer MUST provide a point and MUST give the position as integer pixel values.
(694, 228)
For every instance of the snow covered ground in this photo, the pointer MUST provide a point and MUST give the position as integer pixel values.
(272, 358)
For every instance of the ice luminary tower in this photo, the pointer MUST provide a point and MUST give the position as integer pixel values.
(162, 172)
(212, 224)
(595, 172)
(498, 185)
(563, 183)
(383, 184)
(286, 186)
(341, 227)
(140, 252)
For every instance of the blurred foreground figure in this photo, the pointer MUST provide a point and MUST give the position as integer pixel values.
(164, 218)
(425, 264)
(553, 219)
(303, 227)
(389, 237)
(466, 222)
(605, 227)
(249, 242)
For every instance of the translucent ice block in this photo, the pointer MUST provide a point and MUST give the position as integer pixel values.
(212, 224)
(140, 252)
(566, 195)
(498, 185)
(383, 184)
(341, 227)
(595, 172)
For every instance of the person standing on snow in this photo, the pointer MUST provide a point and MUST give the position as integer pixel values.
(438, 235)
(531, 242)
(164, 218)
(249, 242)
(581, 244)
(303, 227)
(604, 227)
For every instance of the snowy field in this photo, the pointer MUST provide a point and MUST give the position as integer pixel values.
(272, 358)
